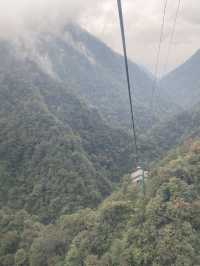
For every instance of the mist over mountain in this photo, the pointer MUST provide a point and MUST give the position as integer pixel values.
(96, 73)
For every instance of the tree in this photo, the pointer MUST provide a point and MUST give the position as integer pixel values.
(21, 258)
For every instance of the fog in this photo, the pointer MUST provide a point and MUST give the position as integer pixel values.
(142, 20)
(20, 16)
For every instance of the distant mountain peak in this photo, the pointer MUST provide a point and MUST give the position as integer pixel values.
(183, 82)
(197, 52)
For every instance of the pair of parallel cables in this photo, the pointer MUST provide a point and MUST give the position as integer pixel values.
(156, 66)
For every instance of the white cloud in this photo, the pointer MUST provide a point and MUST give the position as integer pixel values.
(39, 15)
(142, 20)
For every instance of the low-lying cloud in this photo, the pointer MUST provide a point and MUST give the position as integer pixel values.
(17, 16)
(142, 20)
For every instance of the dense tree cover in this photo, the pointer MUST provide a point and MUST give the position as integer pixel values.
(168, 134)
(59, 159)
(127, 229)
(161, 229)
(56, 154)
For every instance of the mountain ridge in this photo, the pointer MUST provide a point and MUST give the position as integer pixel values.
(182, 84)
(96, 73)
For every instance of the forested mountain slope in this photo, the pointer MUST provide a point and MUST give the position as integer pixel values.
(161, 229)
(56, 154)
(182, 85)
(59, 159)
(168, 134)
(95, 72)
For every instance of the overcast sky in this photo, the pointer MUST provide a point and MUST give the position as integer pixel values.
(142, 20)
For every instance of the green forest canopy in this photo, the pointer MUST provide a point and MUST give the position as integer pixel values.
(161, 229)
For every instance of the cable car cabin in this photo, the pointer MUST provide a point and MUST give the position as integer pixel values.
(138, 176)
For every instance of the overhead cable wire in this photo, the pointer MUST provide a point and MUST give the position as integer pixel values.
(155, 84)
(127, 76)
(172, 36)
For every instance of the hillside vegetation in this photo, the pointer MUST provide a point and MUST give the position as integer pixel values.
(66, 155)
(56, 154)
(168, 134)
(93, 71)
(161, 229)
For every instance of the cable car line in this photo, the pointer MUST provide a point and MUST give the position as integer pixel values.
(139, 175)
(128, 77)
(172, 36)
(158, 55)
